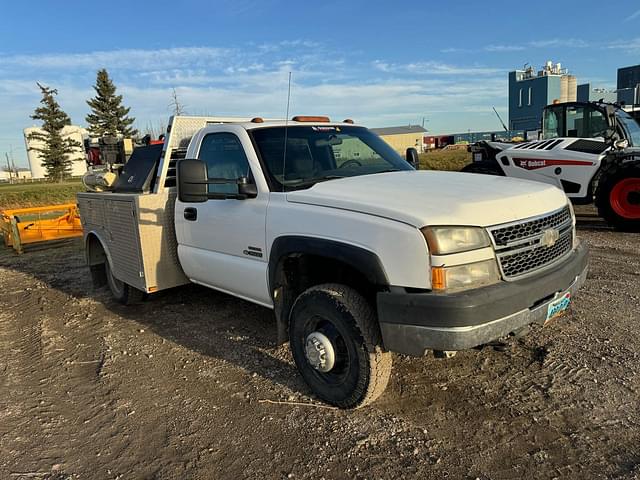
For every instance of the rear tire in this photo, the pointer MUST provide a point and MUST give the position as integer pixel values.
(618, 197)
(358, 369)
(484, 168)
(121, 291)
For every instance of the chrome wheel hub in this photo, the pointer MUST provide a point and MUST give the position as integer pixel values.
(319, 352)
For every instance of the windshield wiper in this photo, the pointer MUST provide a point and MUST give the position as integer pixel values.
(304, 182)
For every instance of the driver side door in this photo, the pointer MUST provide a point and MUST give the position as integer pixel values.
(223, 241)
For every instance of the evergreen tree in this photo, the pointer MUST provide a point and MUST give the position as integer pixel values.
(55, 149)
(108, 116)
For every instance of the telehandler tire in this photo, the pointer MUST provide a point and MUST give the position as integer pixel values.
(618, 197)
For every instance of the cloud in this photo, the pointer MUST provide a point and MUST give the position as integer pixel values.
(435, 68)
(633, 16)
(250, 80)
(503, 48)
(120, 59)
(559, 42)
(518, 47)
(628, 46)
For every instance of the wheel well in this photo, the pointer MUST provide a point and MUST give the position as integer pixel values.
(297, 272)
(94, 251)
(96, 259)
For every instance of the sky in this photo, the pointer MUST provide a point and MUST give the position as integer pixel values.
(380, 63)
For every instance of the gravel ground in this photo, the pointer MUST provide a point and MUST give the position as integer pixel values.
(190, 385)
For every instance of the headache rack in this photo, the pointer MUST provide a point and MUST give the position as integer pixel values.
(136, 229)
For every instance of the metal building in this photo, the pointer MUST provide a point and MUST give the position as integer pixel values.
(586, 93)
(629, 85)
(78, 159)
(531, 91)
(401, 138)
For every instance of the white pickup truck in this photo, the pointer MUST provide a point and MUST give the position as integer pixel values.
(358, 254)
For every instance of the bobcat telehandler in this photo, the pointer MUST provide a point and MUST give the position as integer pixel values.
(591, 150)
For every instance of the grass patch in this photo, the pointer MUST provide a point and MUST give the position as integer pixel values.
(38, 194)
(451, 160)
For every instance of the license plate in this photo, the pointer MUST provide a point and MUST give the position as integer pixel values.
(558, 307)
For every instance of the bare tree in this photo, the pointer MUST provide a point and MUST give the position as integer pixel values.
(177, 108)
(155, 128)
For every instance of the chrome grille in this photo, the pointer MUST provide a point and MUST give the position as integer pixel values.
(514, 232)
(520, 247)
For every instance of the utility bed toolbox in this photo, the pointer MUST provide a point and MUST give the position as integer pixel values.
(139, 235)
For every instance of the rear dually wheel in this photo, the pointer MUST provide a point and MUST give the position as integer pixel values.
(121, 291)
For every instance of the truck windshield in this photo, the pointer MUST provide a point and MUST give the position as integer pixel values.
(318, 153)
(631, 127)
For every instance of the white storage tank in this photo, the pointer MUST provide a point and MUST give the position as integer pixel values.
(78, 159)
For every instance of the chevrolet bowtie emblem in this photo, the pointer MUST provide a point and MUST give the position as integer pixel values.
(549, 237)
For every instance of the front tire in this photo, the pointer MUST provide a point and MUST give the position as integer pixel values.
(618, 197)
(336, 344)
(121, 291)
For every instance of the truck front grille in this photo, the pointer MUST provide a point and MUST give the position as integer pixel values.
(527, 246)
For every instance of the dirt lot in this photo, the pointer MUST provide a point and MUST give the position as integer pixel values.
(178, 387)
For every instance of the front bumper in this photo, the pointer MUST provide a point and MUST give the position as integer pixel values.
(412, 323)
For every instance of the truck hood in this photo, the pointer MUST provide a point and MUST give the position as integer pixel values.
(436, 198)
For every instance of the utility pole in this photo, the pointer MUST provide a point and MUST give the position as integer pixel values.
(13, 163)
(8, 166)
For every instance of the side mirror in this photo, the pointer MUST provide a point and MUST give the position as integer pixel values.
(192, 180)
(247, 189)
(610, 136)
(412, 158)
(621, 144)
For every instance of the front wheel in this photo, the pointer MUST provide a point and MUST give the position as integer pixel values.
(618, 197)
(336, 344)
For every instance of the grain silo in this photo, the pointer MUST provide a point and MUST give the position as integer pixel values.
(78, 159)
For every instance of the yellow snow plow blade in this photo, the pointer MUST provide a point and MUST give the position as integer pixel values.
(23, 226)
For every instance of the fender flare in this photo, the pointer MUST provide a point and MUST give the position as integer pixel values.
(361, 259)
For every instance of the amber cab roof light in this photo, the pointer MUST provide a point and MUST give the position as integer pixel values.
(257, 120)
(347, 120)
(307, 118)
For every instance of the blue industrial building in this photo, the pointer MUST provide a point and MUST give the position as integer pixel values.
(531, 91)
(629, 85)
(586, 93)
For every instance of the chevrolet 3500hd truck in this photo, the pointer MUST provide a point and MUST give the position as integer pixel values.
(358, 254)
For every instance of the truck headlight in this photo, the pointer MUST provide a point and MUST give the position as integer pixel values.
(445, 240)
(463, 277)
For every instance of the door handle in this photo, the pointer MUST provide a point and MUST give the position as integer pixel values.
(191, 214)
